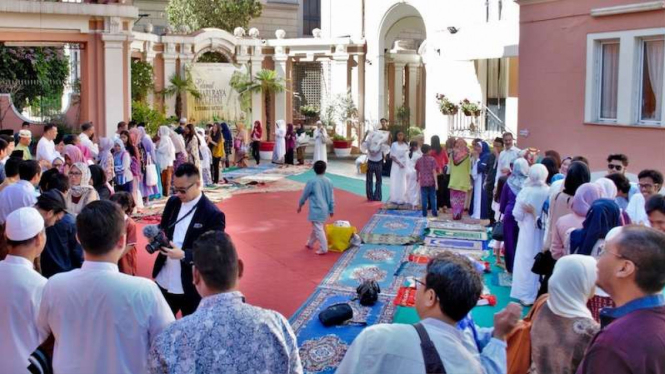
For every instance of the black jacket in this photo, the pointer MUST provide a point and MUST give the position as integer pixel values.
(207, 217)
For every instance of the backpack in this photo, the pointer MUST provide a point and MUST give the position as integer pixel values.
(518, 352)
(368, 292)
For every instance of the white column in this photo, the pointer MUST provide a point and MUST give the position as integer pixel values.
(399, 83)
(413, 92)
(280, 97)
(113, 83)
(169, 70)
(257, 102)
(340, 74)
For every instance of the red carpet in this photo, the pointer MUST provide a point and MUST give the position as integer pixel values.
(280, 273)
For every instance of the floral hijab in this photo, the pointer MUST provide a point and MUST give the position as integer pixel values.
(460, 152)
(78, 191)
(518, 175)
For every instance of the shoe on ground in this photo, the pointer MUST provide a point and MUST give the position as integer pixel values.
(320, 252)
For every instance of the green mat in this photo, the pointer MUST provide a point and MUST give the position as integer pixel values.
(482, 315)
(355, 186)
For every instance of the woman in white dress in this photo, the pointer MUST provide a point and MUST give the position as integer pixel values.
(280, 142)
(320, 143)
(412, 186)
(399, 154)
(528, 205)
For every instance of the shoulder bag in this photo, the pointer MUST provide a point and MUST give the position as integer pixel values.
(433, 363)
(497, 230)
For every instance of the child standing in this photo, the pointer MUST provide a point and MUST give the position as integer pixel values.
(426, 168)
(128, 263)
(319, 192)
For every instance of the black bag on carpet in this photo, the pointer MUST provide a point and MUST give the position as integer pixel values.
(368, 292)
(336, 314)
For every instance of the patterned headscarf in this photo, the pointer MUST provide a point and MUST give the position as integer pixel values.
(518, 175)
(78, 191)
(105, 147)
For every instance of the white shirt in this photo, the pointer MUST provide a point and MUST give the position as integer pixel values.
(92, 147)
(505, 158)
(103, 321)
(20, 295)
(18, 195)
(395, 348)
(46, 150)
(169, 278)
(637, 210)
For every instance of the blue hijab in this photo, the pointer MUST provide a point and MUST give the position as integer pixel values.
(483, 158)
(603, 216)
(226, 132)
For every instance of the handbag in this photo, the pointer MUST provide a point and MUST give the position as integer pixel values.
(336, 314)
(543, 263)
(518, 351)
(368, 292)
(150, 173)
(497, 231)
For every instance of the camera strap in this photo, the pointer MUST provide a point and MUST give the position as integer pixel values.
(181, 218)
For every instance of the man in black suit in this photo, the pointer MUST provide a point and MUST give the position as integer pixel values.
(187, 215)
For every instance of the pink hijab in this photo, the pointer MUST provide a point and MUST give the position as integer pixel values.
(585, 195)
(74, 153)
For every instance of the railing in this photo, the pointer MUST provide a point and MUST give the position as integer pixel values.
(487, 125)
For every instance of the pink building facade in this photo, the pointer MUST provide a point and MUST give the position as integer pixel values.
(592, 79)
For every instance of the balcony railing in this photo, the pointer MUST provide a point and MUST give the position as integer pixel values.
(486, 126)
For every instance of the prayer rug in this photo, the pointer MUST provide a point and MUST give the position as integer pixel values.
(367, 262)
(403, 213)
(428, 252)
(456, 234)
(243, 172)
(454, 225)
(395, 230)
(454, 243)
(393, 206)
(502, 279)
(410, 269)
(322, 348)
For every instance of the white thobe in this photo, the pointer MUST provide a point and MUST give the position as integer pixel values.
(529, 243)
(20, 295)
(320, 145)
(412, 186)
(400, 152)
(637, 210)
(169, 278)
(395, 348)
(46, 150)
(506, 157)
(280, 144)
(104, 321)
(18, 195)
(477, 190)
(92, 147)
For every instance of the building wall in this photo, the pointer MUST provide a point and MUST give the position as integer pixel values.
(552, 69)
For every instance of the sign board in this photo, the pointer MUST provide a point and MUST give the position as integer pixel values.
(218, 99)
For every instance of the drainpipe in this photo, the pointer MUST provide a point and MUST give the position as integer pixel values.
(363, 15)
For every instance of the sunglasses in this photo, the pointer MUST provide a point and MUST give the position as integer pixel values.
(617, 167)
(183, 190)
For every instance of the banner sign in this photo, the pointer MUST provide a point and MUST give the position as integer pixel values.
(218, 99)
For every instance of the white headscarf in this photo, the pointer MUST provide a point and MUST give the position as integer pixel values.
(608, 188)
(571, 285)
(85, 180)
(535, 190)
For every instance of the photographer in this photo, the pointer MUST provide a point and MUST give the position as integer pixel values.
(187, 215)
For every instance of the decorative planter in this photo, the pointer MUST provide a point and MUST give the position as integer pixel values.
(266, 149)
(469, 113)
(342, 148)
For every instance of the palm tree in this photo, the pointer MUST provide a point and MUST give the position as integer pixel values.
(267, 82)
(179, 87)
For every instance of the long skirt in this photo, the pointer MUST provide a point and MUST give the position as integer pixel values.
(288, 157)
(457, 199)
(300, 151)
(443, 193)
(510, 234)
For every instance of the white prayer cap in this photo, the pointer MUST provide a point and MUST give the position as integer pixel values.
(183, 120)
(25, 134)
(23, 224)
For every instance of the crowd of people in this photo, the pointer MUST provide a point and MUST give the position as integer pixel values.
(71, 300)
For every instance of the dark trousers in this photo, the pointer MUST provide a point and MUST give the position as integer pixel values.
(490, 212)
(374, 169)
(179, 303)
(215, 169)
(428, 199)
(255, 151)
(443, 193)
(288, 157)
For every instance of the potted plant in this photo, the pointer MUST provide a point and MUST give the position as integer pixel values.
(310, 111)
(447, 107)
(342, 145)
(470, 109)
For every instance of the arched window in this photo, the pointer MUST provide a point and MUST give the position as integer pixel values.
(311, 16)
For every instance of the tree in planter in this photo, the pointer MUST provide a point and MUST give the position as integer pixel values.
(142, 81)
(266, 82)
(240, 82)
(221, 14)
(180, 87)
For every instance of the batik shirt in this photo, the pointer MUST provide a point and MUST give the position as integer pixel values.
(225, 335)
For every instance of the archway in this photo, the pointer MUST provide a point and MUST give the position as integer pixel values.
(401, 69)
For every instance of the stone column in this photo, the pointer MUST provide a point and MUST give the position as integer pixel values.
(114, 100)
(257, 98)
(398, 86)
(281, 60)
(413, 92)
(170, 57)
(186, 59)
(340, 71)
